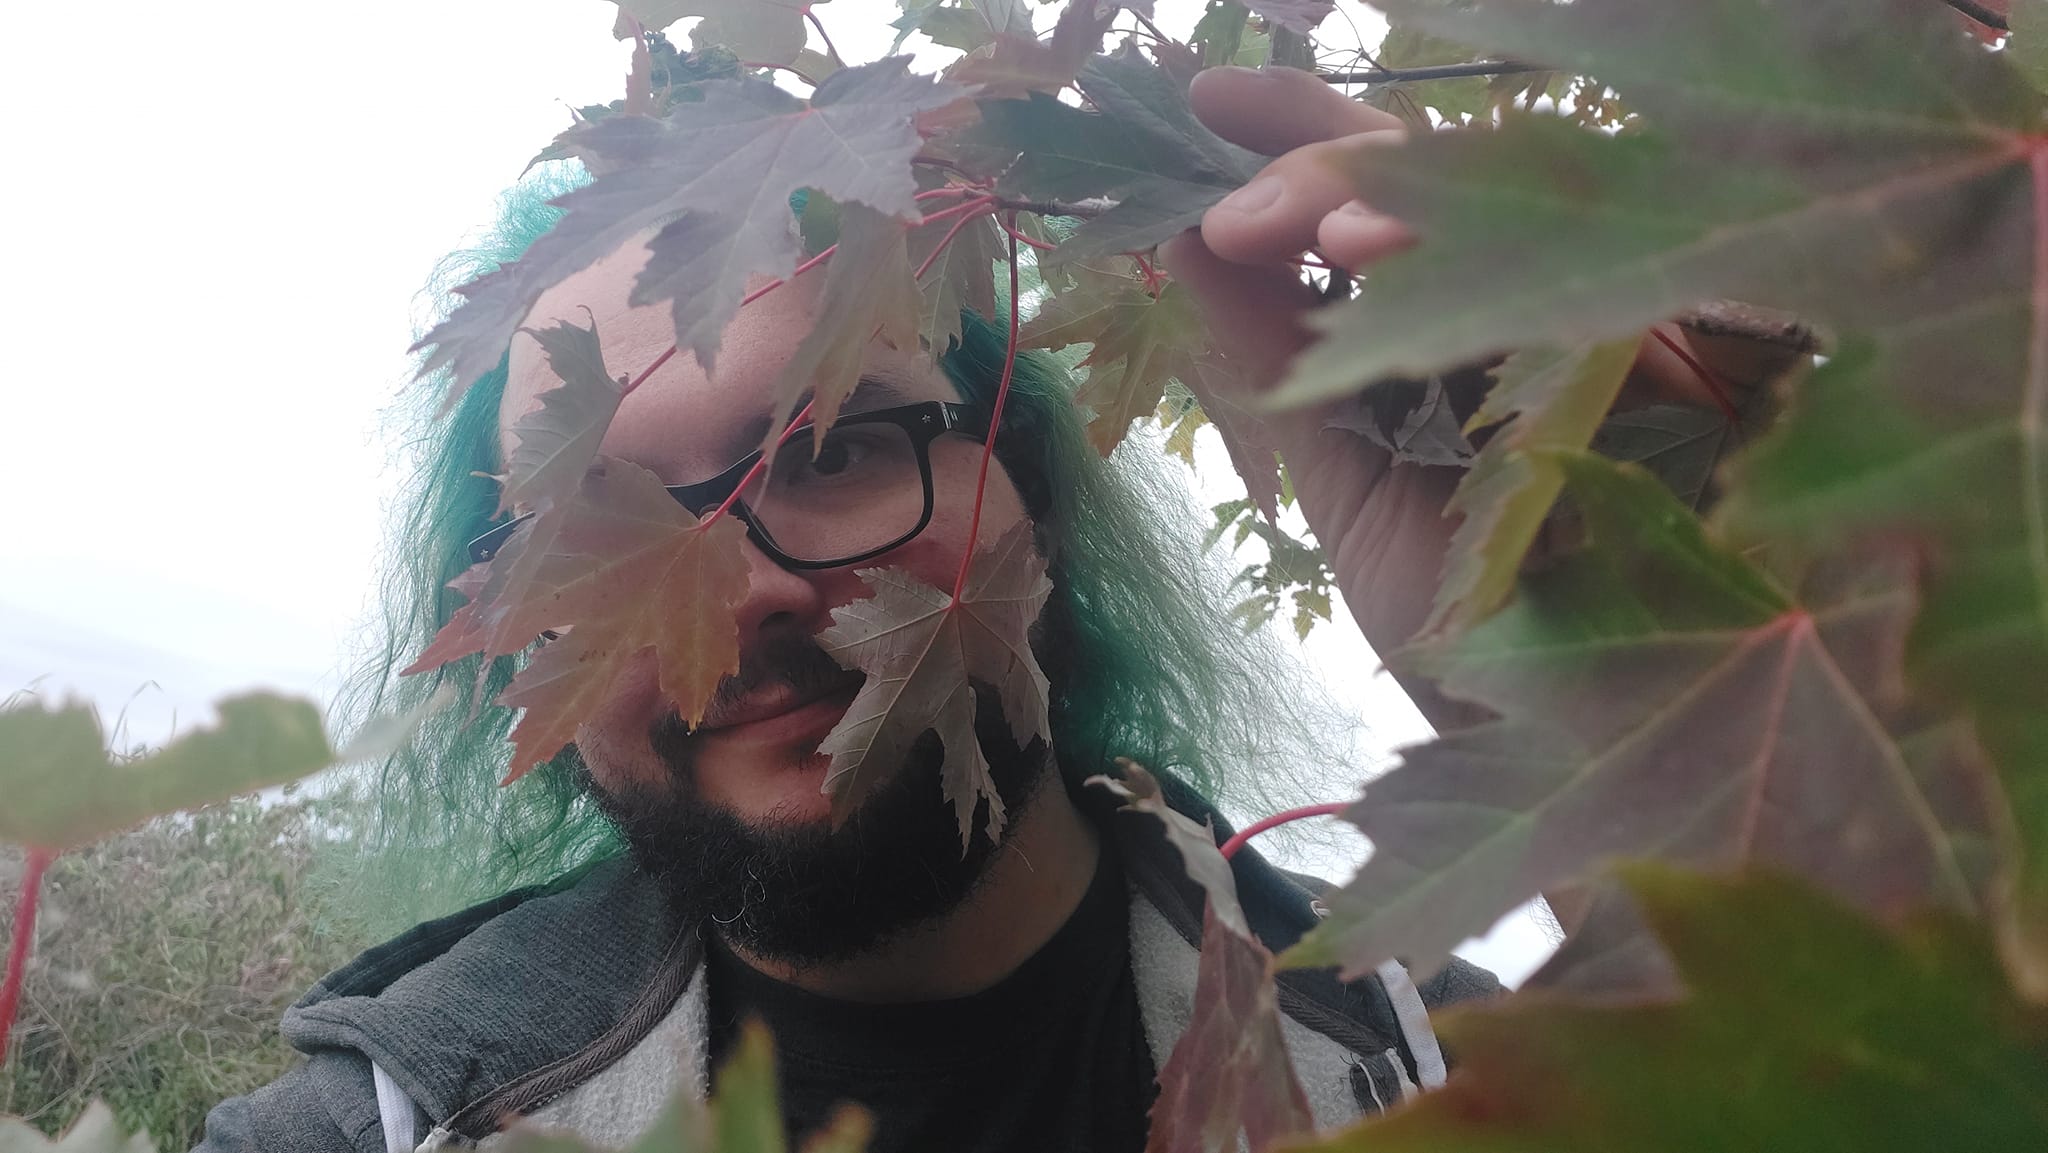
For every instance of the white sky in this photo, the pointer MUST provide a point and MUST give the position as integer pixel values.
(220, 217)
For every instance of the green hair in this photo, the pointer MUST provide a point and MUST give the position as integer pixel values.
(1149, 665)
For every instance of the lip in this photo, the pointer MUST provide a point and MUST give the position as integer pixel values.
(781, 713)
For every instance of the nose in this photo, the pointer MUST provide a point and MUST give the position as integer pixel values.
(780, 599)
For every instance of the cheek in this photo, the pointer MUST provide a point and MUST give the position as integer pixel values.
(955, 466)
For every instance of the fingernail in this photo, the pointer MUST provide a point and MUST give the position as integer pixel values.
(1357, 210)
(1254, 197)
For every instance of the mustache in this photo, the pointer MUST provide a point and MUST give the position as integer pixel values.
(792, 658)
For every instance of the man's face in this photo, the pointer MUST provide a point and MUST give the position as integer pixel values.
(754, 760)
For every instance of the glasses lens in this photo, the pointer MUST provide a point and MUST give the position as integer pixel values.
(862, 491)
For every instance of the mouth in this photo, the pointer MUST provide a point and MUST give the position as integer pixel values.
(782, 711)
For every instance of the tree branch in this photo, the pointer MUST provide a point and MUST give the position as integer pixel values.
(1979, 13)
(1433, 72)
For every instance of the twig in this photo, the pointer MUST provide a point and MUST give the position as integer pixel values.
(1082, 209)
(1980, 14)
(1748, 322)
(1433, 72)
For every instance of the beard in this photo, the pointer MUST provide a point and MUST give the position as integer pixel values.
(797, 891)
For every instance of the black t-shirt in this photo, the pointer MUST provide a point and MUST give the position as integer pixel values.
(1051, 1059)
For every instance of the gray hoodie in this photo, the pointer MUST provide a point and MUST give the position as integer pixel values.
(581, 1004)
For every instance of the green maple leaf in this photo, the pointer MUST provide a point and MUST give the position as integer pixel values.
(919, 647)
(1142, 147)
(715, 176)
(769, 32)
(1551, 400)
(969, 24)
(1807, 1027)
(95, 1131)
(1140, 343)
(1658, 697)
(868, 294)
(62, 789)
(1229, 1073)
(1865, 165)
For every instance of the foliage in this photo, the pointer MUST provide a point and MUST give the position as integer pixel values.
(920, 648)
(1808, 1027)
(165, 956)
(1825, 656)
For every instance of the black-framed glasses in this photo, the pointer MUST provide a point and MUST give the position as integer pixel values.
(866, 490)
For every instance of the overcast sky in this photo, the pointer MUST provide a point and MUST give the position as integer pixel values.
(221, 216)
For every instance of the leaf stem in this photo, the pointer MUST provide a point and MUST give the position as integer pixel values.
(995, 421)
(1239, 839)
(1707, 376)
(825, 36)
(924, 266)
(751, 297)
(1011, 228)
(33, 868)
(754, 473)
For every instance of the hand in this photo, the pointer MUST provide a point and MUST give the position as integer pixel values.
(1382, 525)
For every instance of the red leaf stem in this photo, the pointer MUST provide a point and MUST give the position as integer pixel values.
(995, 421)
(1154, 279)
(37, 862)
(981, 201)
(1328, 809)
(1707, 376)
(925, 266)
(1012, 230)
(795, 422)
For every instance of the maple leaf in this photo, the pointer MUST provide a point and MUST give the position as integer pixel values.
(919, 648)
(62, 789)
(1013, 62)
(970, 24)
(1229, 1072)
(1861, 164)
(1295, 15)
(1140, 342)
(1143, 147)
(868, 294)
(1218, 384)
(961, 277)
(554, 444)
(1658, 697)
(627, 570)
(95, 1131)
(1807, 1027)
(716, 176)
(768, 32)
(1551, 399)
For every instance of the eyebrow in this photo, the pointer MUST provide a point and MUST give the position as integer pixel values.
(882, 389)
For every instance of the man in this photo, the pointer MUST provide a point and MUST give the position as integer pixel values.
(1021, 997)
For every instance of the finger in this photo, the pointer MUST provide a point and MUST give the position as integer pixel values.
(1280, 213)
(1254, 314)
(1354, 236)
(1276, 110)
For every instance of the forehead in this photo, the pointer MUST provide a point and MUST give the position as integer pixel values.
(685, 424)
